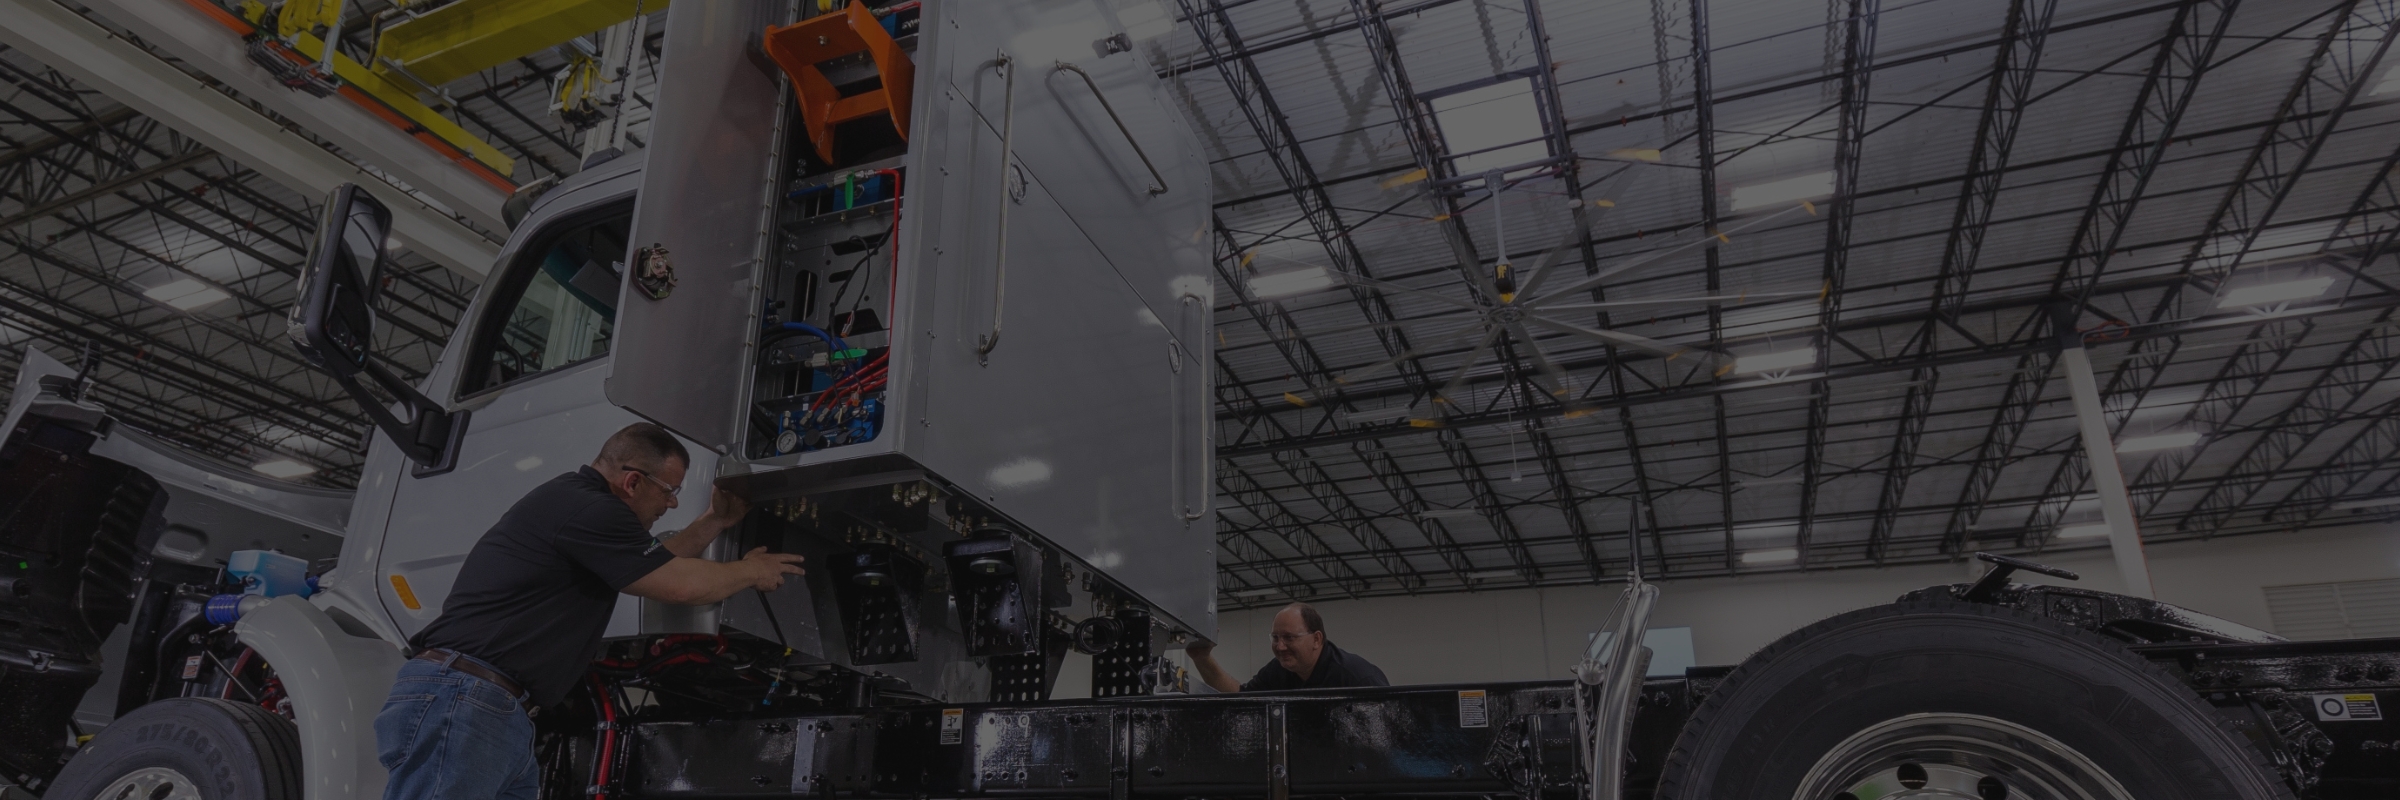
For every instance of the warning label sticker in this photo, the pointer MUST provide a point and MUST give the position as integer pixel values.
(1472, 712)
(954, 724)
(2346, 707)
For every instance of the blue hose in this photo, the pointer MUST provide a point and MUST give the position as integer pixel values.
(831, 340)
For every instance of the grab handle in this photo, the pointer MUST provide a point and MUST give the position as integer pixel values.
(1158, 185)
(1191, 458)
(1008, 128)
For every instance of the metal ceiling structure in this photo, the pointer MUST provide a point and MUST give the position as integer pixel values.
(1495, 390)
(102, 209)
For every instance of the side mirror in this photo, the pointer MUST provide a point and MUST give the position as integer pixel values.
(333, 325)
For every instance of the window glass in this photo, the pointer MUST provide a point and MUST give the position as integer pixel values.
(557, 306)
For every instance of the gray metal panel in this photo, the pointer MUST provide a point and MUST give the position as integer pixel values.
(680, 361)
(1070, 425)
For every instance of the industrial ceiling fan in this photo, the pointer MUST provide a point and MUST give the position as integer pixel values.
(1503, 306)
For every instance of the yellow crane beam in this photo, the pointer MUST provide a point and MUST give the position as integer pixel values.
(470, 36)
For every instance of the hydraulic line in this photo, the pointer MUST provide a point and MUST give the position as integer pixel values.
(603, 771)
(831, 341)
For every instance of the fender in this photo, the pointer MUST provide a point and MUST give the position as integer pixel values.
(337, 681)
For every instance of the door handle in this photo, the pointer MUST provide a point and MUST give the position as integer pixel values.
(1189, 451)
(1158, 185)
(1008, 128)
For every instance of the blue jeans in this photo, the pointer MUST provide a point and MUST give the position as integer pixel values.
(450, 735)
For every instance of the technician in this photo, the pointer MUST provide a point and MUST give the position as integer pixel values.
(1304, 659)
(524, 619)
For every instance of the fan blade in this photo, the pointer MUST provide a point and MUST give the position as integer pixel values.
(1595, 278)
(1552, 375)
(1459, 377)
(1312, 396)
(1370, 326)
(1708, 299)
(1394, 287)
(1566, 244)
(1622, 339)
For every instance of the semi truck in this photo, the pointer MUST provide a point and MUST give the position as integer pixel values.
(929, 284)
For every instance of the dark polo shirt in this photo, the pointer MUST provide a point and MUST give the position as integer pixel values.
(1335, 669)
(534, 596)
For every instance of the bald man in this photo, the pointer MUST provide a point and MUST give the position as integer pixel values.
(1304, 659)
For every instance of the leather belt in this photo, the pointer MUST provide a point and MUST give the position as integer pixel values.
(458, 661)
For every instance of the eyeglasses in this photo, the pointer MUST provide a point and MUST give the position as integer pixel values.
(672, 491)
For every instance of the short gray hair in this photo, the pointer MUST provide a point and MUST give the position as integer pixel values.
(1308, 616)
(643, 445)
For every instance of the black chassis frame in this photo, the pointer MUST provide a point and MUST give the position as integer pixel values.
(1454, 740)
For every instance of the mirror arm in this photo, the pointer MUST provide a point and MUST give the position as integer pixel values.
(426, 434)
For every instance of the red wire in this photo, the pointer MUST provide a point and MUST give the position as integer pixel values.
(601, 771)
(891, 295)
(862, 371)
(233, 674)
(876, 376)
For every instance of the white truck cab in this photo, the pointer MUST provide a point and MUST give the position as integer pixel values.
(927, 283)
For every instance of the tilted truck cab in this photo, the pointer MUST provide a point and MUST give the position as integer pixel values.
(928, 283)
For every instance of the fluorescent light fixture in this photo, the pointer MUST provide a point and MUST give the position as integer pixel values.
(2271, 293)
(1769, 362)
(1491, 574)
(1255, 592)
(2095, 530)
(284, 468)
(186, 294)
(1812, 185)
(2160, 441)
(2354, 505)
(2389, 84)
(1501, 121)
(1146, 20)
(1782, 556)
(1288, 284)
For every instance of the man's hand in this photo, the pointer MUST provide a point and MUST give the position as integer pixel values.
(767, 569)
(725, 507)
(1206, 664)
(725, 510)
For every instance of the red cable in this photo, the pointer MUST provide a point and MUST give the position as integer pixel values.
(891, 295)
(601, 772)
(876, 377)
(233, 674)
(862, 371)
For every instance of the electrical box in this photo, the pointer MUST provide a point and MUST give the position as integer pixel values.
(932, 268)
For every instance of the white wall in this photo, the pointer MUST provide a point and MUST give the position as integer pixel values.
(1533, 634)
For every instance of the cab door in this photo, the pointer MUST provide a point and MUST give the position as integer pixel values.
(701, 224)
(535, 350)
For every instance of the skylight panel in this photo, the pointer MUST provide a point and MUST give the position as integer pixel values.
(1803, 187)
(1491, 127)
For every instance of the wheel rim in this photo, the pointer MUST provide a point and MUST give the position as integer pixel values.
(150, 783)
(1955, 757)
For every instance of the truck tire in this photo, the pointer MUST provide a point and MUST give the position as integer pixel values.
(1952, 699)
(187, 748)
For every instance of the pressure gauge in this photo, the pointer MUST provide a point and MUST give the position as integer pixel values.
(787, 442)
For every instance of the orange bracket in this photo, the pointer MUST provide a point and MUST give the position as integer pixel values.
(801, 46)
